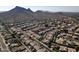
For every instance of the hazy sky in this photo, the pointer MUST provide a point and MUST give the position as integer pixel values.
(46, 8)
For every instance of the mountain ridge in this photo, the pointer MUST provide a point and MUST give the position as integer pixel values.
(23, 14)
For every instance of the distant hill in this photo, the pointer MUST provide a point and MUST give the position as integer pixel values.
(16, 10)
(15, 14)
(71, 13)
(19, 14)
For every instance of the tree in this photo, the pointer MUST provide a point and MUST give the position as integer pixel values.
(56, 49)
(77, 48)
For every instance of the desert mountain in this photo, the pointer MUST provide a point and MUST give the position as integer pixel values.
(18, 14)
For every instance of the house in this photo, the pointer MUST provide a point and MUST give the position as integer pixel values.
(71, 50)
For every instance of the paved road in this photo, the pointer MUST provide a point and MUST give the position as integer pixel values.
(2, 41)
